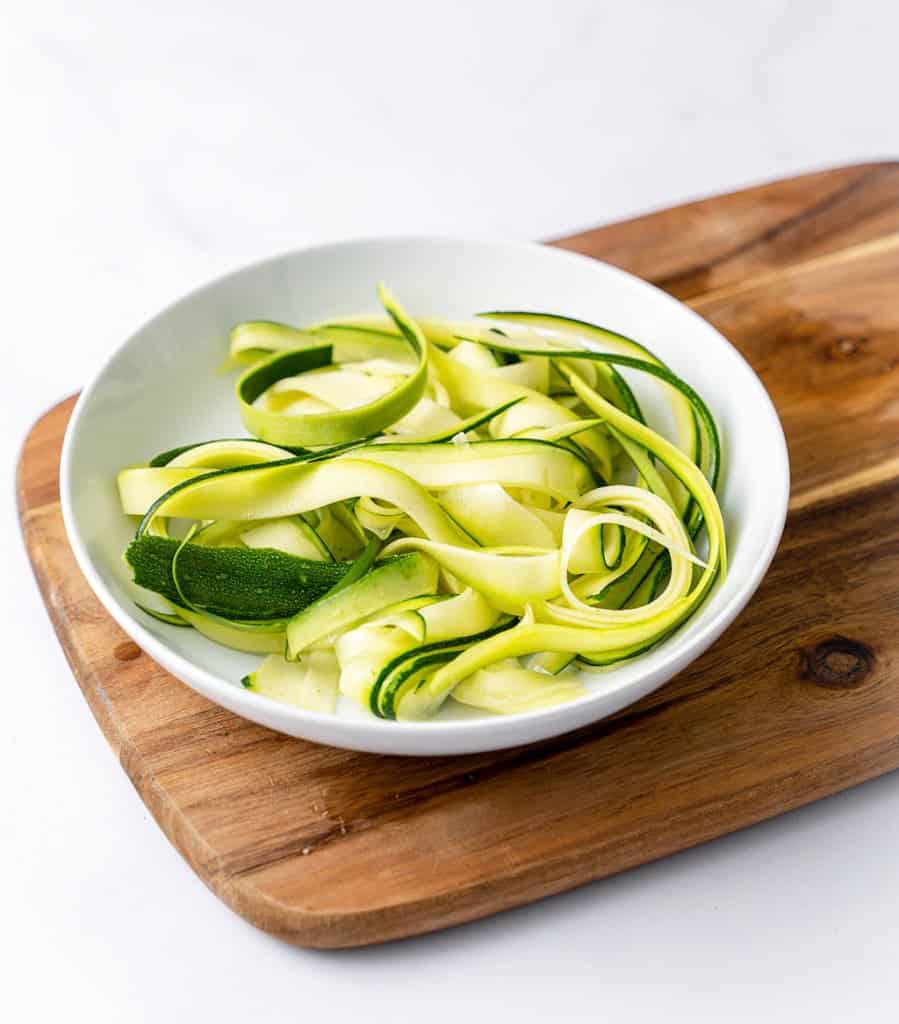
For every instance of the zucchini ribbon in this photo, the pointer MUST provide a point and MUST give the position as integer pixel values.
(429, 510)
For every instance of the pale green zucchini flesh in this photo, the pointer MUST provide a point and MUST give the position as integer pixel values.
(398, 579)
(310, 683)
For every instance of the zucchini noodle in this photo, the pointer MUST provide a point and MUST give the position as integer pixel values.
(429, 510)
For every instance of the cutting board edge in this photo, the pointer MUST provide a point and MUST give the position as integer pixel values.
(324, 930)
(387, 923)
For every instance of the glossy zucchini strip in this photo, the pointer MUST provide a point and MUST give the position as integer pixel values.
(335, 426)
(433, 509)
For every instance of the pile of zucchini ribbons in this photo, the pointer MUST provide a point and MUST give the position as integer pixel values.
(430, 509)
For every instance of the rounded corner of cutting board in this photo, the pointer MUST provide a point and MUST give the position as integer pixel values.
(312, 929)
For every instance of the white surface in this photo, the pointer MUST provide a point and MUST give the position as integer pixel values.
(170, 362)
(148, 150)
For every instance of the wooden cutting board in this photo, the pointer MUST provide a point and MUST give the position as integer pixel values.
(799, 699)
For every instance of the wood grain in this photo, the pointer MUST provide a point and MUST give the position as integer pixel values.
(799, 699)
(702, 246)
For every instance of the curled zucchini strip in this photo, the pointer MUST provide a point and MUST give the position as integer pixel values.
(510, 578)
(339, 425)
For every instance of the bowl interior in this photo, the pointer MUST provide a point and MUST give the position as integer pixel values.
(162, 389)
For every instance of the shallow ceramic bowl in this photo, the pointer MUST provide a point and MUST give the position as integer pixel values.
(161, 389)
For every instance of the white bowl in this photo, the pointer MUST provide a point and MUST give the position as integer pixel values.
(160, 389)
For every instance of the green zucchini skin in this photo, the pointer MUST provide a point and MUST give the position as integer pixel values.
(164, 458)
(281, 364)
(382, 698)
(299, 454)
(234, 583)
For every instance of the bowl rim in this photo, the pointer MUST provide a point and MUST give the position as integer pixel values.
(235, 697)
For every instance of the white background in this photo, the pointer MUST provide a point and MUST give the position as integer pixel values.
(148, 148)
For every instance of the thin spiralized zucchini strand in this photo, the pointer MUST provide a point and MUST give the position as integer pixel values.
(367, 648)
(343, 387)
(580, 613)
(711, 449)
(602, 375)
(378, 518)
(673, 458)
(405, 669)
(550, 636)
(592, 577)
(251, 637)
(238, 637)
(322, 428)
(639, 456)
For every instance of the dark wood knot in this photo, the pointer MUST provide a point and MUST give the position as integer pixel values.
(837, 664)
(127, 651)
(846, 346)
